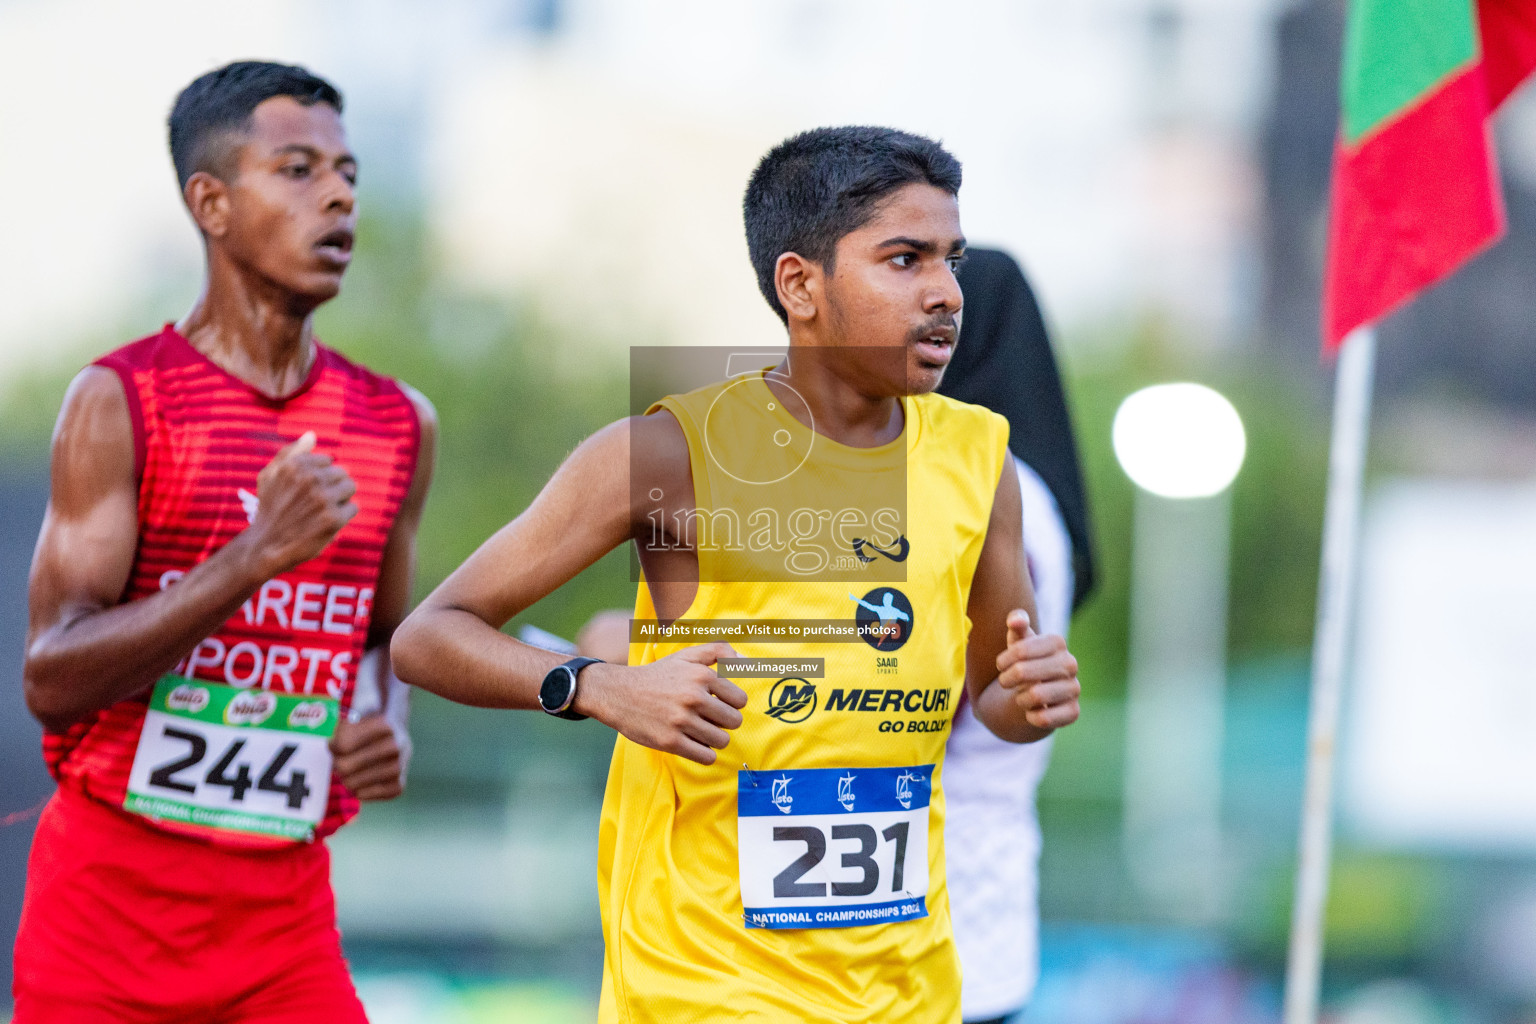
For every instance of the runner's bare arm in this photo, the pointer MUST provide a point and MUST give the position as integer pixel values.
(85, 651)
(371, 754)
(452, 643)
(1022, 685)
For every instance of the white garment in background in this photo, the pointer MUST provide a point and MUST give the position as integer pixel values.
(368, 696)
(991, 833)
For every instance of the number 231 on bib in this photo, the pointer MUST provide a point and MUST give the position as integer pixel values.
(833, 847)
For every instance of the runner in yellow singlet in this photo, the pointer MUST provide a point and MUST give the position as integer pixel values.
(773, 850)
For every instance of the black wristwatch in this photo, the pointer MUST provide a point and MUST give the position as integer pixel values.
(558, 692)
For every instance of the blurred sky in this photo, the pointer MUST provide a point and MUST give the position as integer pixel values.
(590, 154)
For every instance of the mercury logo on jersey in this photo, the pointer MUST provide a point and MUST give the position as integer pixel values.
(792, 700)
(883, 701)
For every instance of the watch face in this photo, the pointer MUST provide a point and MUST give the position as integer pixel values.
(559, 686)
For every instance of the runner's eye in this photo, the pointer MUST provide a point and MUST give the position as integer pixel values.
(296, 170)
(905, 259)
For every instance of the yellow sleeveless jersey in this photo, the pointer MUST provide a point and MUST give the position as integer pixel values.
(800, 878)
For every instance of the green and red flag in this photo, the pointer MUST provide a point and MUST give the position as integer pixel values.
(1415, 184)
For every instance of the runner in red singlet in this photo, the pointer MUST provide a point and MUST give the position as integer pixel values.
(231, 527)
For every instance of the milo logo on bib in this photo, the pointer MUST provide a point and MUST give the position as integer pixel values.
(250, 708)
(187, 698)
(249, 761)
(311, 714)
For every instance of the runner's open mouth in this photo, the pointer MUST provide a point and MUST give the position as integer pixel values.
(336, 243)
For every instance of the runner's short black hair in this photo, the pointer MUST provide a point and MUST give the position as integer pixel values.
(217, 107)
(811, 190)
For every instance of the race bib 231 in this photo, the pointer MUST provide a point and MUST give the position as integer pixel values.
(833, 847)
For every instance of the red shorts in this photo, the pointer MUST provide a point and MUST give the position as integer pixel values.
(125, 923)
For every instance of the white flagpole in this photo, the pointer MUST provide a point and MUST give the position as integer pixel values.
(1341, 529)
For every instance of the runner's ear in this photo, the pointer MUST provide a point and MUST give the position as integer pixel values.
(797, 282)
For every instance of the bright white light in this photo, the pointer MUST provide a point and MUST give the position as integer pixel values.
(1179, 440)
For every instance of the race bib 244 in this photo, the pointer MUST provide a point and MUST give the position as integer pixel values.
(249, 761)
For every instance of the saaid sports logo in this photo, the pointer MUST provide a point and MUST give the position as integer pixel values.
(895, 554)
(884, 618)
(792, 700)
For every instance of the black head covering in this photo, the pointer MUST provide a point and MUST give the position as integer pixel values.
(1004, 363)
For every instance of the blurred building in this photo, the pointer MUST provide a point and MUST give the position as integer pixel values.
(96, 235)
(589, 155)
(1111, 143)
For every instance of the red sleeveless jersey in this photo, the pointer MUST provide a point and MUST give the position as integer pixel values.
(201, 436)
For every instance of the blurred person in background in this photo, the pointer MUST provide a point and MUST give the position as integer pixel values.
(231, 527)
(794, 877)
(1004, 363)
(606, 637)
